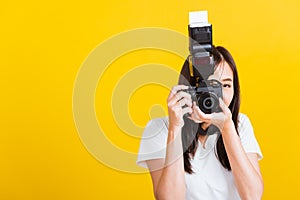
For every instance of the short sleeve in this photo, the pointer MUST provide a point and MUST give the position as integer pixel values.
(247, 136)
(153, 142)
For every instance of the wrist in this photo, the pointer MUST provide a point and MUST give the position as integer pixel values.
(174, 131)
(228, 127)
(174, 128)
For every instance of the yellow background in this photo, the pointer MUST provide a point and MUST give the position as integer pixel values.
(43, 45)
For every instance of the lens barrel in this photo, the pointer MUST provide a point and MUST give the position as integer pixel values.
(208, 102)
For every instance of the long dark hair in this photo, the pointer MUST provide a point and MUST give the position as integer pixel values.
(190, 130)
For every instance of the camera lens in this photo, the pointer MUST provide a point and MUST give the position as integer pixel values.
(208, 102)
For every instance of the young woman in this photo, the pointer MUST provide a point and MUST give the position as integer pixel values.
(203, 156)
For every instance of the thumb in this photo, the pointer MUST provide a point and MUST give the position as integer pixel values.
(223, 106)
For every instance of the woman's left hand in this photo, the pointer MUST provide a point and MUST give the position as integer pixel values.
(219, 119)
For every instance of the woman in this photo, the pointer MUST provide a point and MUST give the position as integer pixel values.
(203, 162)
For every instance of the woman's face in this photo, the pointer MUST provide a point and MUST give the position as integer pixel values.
(224, 74)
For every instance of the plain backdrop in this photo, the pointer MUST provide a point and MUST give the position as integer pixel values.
(43, 45)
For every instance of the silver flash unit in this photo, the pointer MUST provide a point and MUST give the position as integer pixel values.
(200, 46)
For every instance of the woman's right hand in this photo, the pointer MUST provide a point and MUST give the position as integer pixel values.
(179, 103)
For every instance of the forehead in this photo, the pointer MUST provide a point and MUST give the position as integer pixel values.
(223, 71)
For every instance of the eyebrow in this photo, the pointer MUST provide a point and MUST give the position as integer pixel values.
(227, 79)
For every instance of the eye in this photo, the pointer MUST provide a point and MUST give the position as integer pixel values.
(226, 85)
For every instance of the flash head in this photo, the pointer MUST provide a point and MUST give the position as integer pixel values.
(200, 46)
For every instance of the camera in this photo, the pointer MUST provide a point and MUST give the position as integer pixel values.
(205, 92)
(207, 95)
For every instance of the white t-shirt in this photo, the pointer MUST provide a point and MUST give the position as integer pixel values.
(210, 180)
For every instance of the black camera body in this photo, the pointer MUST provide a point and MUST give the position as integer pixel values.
(207, 95)
(205, 92)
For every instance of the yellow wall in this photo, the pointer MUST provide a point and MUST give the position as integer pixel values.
(44, 46)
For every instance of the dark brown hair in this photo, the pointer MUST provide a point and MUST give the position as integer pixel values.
(190, 131)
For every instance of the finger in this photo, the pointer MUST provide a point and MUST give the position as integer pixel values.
(195, 114)
(183, 94)
(223, 105)
(174, 102)
(192, 117)
(181, 101)
(175, 90)
(201, 115)
(186, 102)
(180, 96)
(187, 110)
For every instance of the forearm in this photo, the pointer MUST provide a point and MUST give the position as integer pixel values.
(172, 181)
(248, 180)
